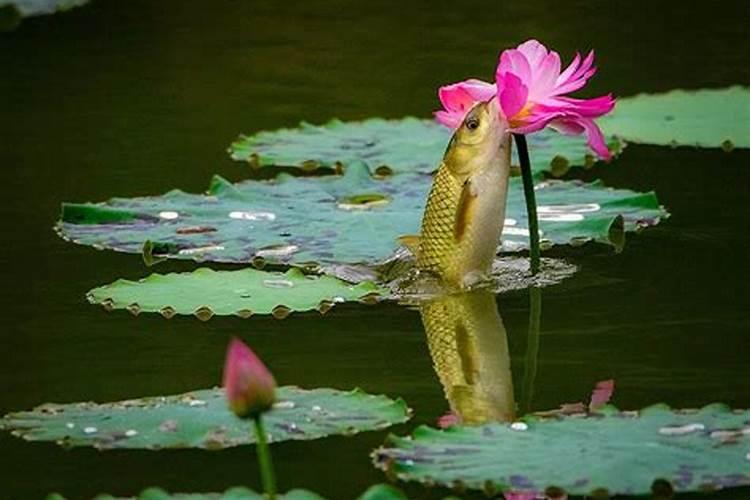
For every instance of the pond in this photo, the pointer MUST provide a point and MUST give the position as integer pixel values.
(137, 98)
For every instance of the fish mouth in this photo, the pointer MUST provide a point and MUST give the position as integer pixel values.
(493, 107)
(493, 112)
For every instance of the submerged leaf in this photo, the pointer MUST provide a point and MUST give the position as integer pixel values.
(400, 146)
(353, 218)
(708, 118)
(205, 292)
(201, 419)
(620, 452)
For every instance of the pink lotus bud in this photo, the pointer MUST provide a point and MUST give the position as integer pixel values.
(250, 387)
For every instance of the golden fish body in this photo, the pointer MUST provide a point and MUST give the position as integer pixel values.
(469, 349)
(465, 210)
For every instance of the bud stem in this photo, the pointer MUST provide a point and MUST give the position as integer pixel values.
(264, 458)
(528, 191)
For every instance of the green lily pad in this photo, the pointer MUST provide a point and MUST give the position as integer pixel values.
(387, 146)
(205, 292)
(352, 218)
(375, 492)
(201, 419)
(236, 493)
(704, 118)
(382, 492)
(28, 8)
(622, 452)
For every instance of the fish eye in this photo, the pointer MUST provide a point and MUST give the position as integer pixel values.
(472, 123)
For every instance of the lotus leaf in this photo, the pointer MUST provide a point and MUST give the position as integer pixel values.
(237, 493)
(205, 292)
(620, 452)
(708, 118)
(375, 492)
(704, 118)
(353, 218)
(400, 146)
(28, 8)
(201, 419)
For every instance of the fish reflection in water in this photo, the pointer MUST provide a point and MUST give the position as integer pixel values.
(469, 349)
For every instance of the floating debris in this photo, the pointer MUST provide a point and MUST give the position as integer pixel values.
(277, 283)
(196, 230)
(168, 426)
(681, 429)
(277, 251)
(208, 248)
(247, 215)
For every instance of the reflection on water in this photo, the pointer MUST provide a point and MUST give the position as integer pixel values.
(469, 349)
(532, 349)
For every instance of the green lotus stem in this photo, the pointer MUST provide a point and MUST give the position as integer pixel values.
(528, 191)
(532, 348)
(264, 459)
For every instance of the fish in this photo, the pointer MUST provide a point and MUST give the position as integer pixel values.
(469, 349)
(465, 211)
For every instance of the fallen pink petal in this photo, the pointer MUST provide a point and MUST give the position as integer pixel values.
(448, 420)
(602, 394)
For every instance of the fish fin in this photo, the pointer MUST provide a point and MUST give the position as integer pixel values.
(411, 242)
(465, 210)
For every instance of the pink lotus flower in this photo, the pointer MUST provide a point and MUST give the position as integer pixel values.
(250, 387)
(531, 91)
(459, 98)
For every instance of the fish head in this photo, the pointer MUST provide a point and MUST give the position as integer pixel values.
(477, 141)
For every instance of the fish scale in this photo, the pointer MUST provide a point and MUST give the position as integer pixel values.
(465, 209)
(438, 245)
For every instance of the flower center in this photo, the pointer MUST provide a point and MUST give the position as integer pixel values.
(518, 119)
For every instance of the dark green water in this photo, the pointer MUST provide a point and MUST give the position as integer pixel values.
(132, 98)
